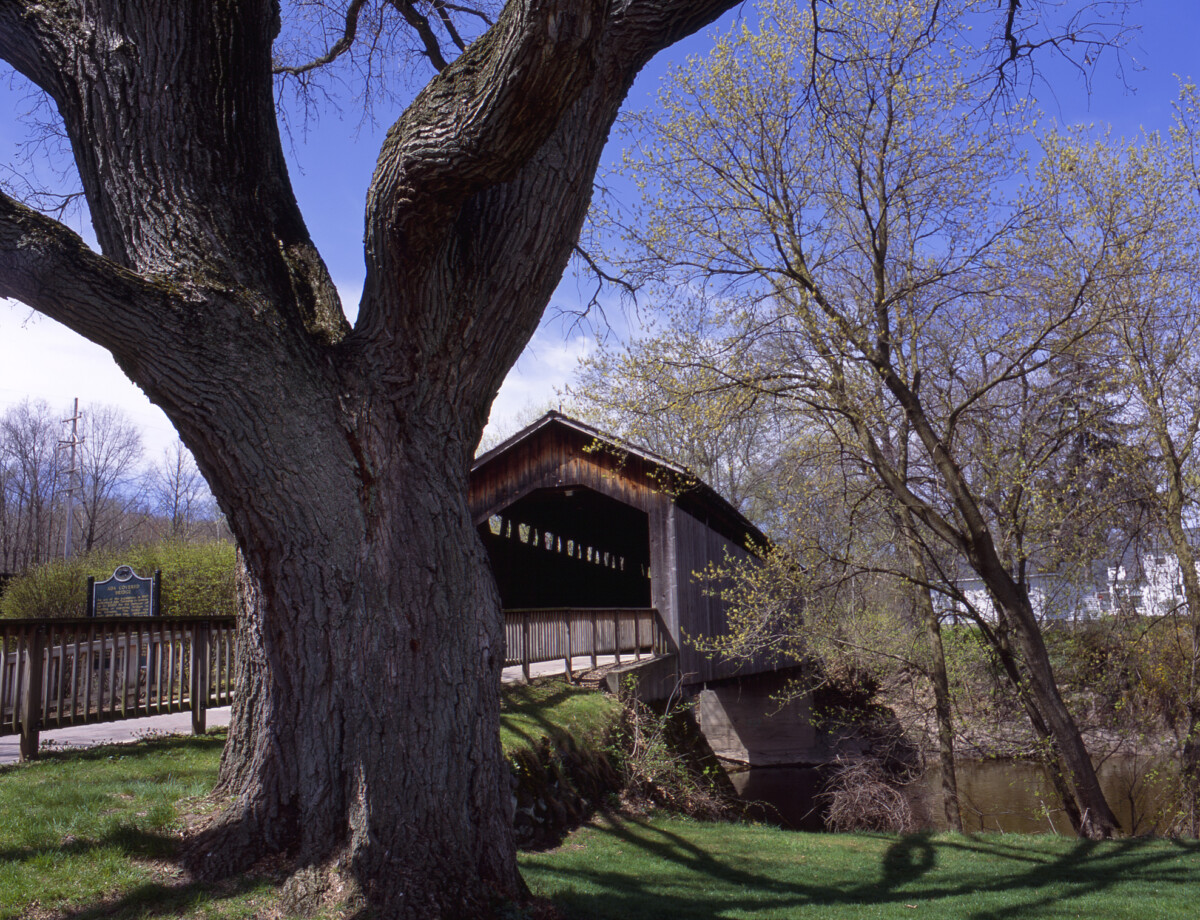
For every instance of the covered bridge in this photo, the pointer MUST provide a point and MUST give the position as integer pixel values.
(575, 518)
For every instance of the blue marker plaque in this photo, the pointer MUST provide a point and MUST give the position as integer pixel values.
(124, 594)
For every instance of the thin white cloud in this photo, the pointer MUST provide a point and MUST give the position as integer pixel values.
(531, 386)
(41, 359)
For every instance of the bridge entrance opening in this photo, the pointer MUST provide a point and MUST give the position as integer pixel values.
(569, 547)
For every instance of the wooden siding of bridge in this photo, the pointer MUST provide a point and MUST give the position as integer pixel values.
(688, 526)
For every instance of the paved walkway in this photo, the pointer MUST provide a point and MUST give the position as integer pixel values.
(82, 736)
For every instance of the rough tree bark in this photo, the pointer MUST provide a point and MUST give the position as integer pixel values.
(366, 722)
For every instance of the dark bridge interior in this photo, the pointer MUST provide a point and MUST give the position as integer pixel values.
(569, 547)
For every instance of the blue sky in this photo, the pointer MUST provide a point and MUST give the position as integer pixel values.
(331, 164)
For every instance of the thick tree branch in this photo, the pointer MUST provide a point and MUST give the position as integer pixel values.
(475, 125)
(532, 219)
(25, 43)
(336, 50)
(47, 266)
(420, 24)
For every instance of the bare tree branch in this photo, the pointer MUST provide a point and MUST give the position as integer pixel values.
(420, 23)
(441, 6)
(47, 266)
(448, 24)
(340, 47)
(603, 276)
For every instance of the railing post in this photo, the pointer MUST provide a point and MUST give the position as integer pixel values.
(617, 635)
(567, 621)
(31, 705)
(595, 637)
(526, 653)
(637, 636)
(199, 688)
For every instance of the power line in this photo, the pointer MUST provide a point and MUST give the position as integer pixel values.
(71, 443)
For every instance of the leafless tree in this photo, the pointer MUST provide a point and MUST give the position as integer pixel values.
(30, 519)
(178, 491)
(109, 478)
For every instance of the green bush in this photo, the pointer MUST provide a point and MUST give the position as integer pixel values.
(197, 580)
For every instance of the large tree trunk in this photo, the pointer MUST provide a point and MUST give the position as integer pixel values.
(366, 723)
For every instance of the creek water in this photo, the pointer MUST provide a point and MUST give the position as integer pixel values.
(1011, 796)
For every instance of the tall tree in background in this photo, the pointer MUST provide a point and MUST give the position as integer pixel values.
(30, 521)
(851, 203)
(108, 477)
(1134, 208)
(177, 490)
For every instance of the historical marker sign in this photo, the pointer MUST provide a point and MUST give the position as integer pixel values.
(124, 594)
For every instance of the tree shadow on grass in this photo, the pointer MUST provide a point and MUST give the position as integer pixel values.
(128, 839)
(157, 853)
(153, 899)
(988, 878)
(532, 702)
(151, 744)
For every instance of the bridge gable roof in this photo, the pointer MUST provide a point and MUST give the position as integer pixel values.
(558, 451)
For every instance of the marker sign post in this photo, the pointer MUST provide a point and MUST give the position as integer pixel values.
(124, 594)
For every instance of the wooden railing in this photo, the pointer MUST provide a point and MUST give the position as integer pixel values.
(566, 633)
(55, 673)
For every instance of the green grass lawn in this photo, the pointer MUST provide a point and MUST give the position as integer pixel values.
(94, 834)
(632, 869)
(97, 830)
(551, 708)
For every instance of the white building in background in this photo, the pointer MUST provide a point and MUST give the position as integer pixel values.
(1146, 584)
(1153, 588)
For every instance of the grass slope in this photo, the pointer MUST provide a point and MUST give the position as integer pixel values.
(549, 709)
(674, 868)
(93, 834)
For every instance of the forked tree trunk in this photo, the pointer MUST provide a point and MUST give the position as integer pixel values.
(366, 725)
(971, 536)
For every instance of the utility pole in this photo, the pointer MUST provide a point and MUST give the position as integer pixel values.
(70, 443)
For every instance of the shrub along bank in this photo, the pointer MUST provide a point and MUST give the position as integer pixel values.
(197, 580)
